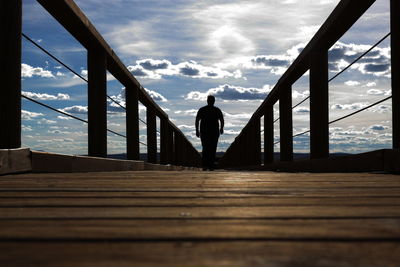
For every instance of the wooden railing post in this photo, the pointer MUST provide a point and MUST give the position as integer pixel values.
(286, 123)
(395, 58)
(319, 106)
(151, 135)
(269, 134)
(164, 139)
(243, 148)
(132, 123)
(171, 144)
(10, 74)
(97, 102)
(177, 148)
(256, 134)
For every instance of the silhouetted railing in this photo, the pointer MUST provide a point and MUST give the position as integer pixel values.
(246, 149)
(174, 146)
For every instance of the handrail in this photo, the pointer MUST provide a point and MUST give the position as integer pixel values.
(71, 70)
(78, 25)
(246, 149)
(342, 71)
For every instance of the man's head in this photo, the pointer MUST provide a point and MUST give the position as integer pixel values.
(210, 100)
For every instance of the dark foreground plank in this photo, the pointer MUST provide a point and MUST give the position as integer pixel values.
(189, 229)
(235, 253)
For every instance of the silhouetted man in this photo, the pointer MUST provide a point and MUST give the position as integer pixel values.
(209, 118)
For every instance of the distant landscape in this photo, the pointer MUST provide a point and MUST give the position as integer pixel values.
(296, 156)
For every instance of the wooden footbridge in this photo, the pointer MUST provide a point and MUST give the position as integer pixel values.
(60, 210)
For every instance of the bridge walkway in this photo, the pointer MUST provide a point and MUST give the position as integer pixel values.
(189, 218)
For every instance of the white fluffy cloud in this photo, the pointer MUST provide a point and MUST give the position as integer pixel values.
(39, 96)
(28, 71)
(353, 106)
(76, 109)
(156, 96)
(29, 115)
(231, 92)
(352, 83)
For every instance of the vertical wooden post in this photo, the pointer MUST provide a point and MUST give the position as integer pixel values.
(164, 139)
(171, 144)
(151, 135)
(10, 74)
(97, 102)
(319, 106)
(243, 148)
(132, 123)
(256, 130)
(269, 134)
(286, 123)
(178, 149)
(395, 57)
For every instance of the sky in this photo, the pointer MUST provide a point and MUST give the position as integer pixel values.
(183, 50)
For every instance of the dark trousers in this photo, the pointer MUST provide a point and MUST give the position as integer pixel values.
(209, 144)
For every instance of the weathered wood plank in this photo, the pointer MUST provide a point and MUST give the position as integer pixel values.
(289, 212)
(209, 176)
(239, 253)
(73, 201)
(350, 229)
(211, 192)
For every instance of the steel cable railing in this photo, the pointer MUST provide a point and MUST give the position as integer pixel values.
(334, 77)
(81, 77)
(71, 70)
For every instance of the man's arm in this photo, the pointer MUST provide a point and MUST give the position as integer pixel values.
(221, 119)
(197, 124)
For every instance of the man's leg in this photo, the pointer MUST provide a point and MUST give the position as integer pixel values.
(204, 153)
(213, 149)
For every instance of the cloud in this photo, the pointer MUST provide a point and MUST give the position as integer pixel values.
(375, 92)
(301, 110)
(28, 71)
(153, 64)
(382, 109)
(237, 116)
(156, 96)
(186, 127)
(276, 63)
(64, 118)
(353, 106)
(39, 96)
(46, 121)
(26, 128)
(156, 69)
(76, 109)
(352, 83)
(28, 115)
(296, 94)
(231, 92)
(378, 127)
(376, 62)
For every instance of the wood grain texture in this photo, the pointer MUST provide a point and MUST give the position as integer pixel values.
(183, 218)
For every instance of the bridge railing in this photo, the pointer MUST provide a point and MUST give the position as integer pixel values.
(246, 149)
(174, 148)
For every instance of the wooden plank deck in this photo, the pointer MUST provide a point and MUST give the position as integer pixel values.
(187, 218)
